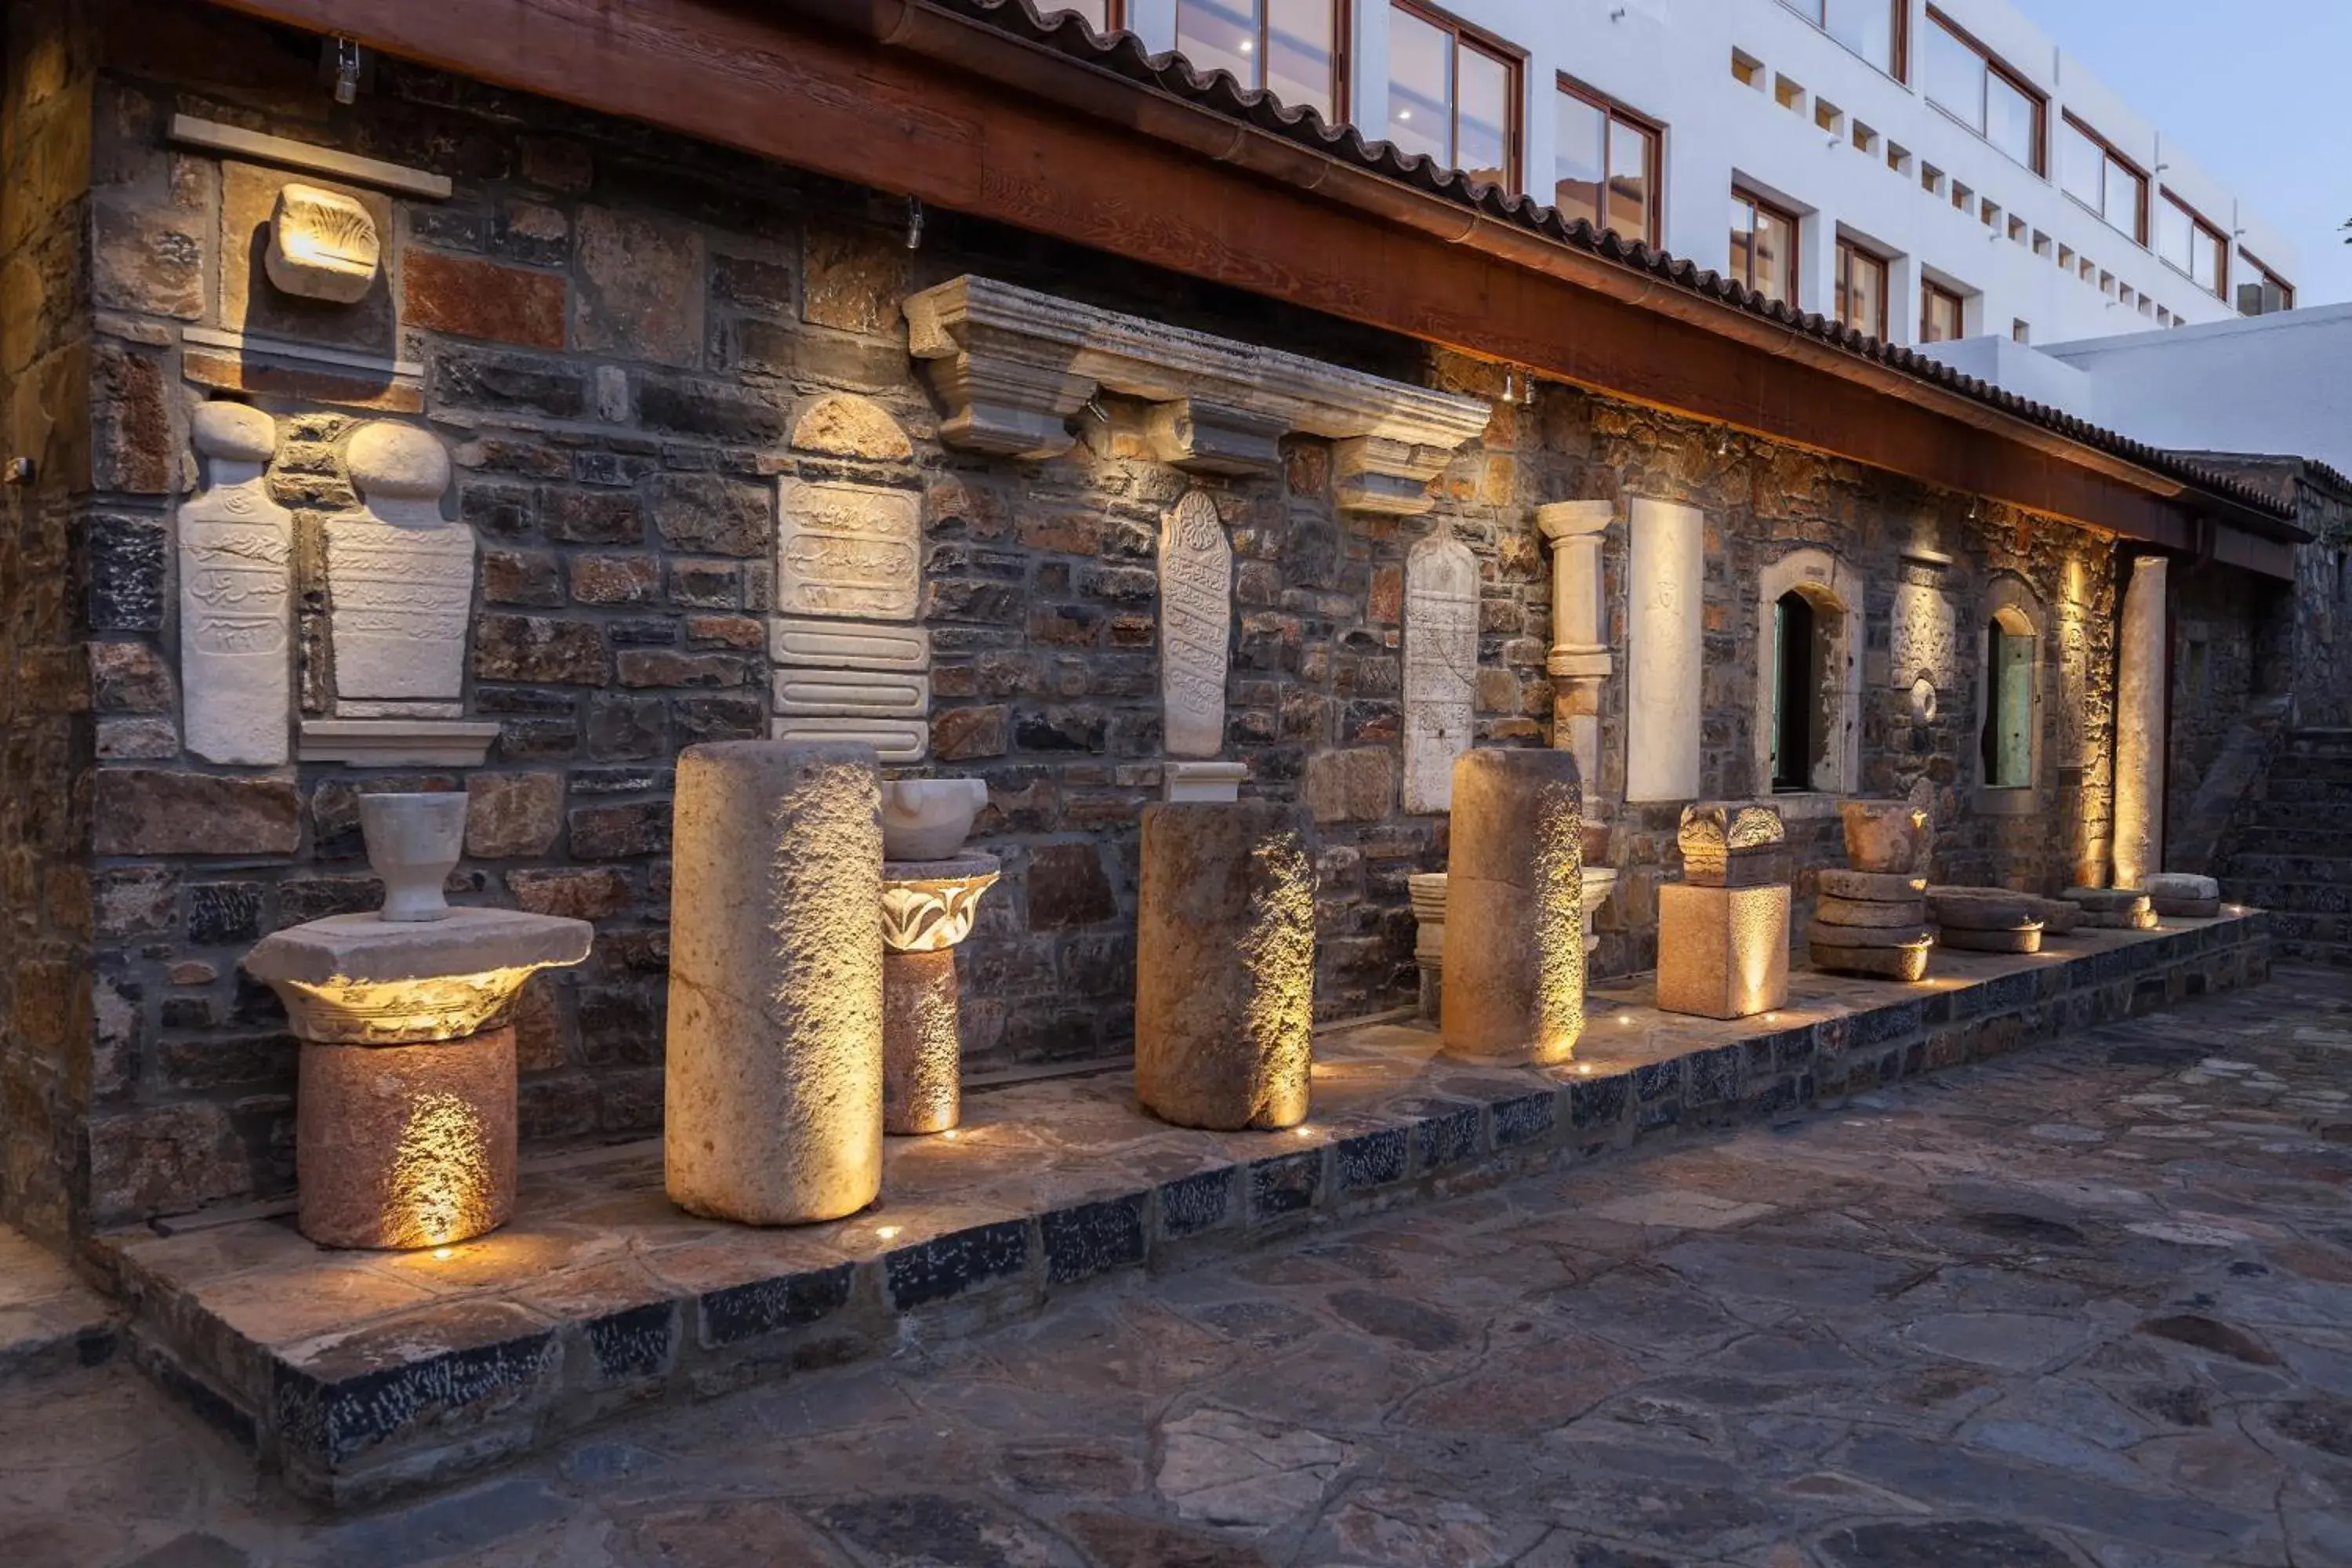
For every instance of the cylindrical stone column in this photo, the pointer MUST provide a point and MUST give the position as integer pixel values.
(2139, 725)
(406, 1146)
(1579, 662)
(772, 1108)
(1224, 964)
(926, 909)
(1513, 909)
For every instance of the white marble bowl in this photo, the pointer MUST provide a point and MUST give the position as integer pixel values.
(929, 819)
(414, 842)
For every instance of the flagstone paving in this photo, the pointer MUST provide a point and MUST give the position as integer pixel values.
(2091, 1304)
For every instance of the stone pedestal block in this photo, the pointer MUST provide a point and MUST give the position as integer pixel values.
(1224, 972)
(406, 1146)
(1514, 899)
(1723, 952)
(773, 1111)
(922, 1055)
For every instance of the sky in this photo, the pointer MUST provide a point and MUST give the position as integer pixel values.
(2257, 91)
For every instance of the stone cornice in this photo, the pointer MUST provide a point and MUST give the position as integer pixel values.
(1013, 366)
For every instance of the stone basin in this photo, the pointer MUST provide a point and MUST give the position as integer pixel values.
(360, 980)
(929, 819)
(1428, 891)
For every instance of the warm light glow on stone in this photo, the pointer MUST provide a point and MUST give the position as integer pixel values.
(886, 1232)
(440, 1174)
(406, 1146)
(1723, 952)
(1514, 987)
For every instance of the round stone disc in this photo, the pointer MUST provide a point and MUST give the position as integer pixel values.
(1858, 912)
(1823, 934)
(1963, 911)
(2028, 939)
(1870, 886)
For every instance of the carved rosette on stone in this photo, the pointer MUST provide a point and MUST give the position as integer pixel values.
(928, 906)
(1441, 667)
(237, 594)
(400, 583)
(1723, 931)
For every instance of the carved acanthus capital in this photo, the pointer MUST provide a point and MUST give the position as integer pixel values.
(929, 905)
(1563, 521)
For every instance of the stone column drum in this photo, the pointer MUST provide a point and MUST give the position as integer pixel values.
(1513, 909)
(2140, 661)
(1224, 964)
(926, 909)
(772, 1100)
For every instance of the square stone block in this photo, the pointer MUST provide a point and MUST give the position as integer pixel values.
(1723, 952)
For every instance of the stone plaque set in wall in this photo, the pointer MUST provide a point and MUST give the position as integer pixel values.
(1196, 614)
(850, 664)
(1441, 667)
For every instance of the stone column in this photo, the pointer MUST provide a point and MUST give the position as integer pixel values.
(1665, 648)
(2139, 725)
(1579, 662)
(1224, 964)
(772, 1108)
(926, 909)
(1513, 909)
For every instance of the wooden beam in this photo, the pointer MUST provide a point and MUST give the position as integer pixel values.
(838, 105)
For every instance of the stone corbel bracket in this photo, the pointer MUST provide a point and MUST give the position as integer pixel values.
(1013, 367)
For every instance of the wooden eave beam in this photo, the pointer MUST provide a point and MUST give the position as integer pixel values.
(1165, 182)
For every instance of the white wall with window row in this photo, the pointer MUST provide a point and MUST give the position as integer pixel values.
(1904, 161)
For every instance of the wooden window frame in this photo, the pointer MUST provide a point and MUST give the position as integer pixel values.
(1847, 248)
(1514, 59)
(1996, 65)
(1931, 290)
(2286, 289)
(2197, 224)
(1654, 171)
(1740, 192)
(2146, 184)
(1816, 14)
(1343, 20)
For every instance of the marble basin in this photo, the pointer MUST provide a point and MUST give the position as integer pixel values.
(929, 819)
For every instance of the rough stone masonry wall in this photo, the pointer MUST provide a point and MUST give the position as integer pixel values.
(626, 340)
(47, 601)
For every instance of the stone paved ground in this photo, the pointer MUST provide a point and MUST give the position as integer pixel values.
(2092, 1304)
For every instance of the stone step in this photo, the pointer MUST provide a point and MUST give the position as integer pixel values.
(360, 1376)
(49, 1320)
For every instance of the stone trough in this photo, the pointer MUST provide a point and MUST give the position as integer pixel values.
(359, 1376)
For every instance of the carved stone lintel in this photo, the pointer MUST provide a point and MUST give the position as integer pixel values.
(1013, 366)
(927, 906)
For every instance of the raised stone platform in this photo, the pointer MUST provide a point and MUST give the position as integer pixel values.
(49, 1320)
(361, 1375)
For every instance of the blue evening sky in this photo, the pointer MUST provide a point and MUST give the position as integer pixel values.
(2258, 91)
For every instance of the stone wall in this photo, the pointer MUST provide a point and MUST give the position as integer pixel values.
(627, 343)
(48, 599)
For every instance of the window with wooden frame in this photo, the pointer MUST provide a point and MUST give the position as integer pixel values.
(1605, 164)
(2193, 245)
(1294, 49)
(2261, 291)
(2092, 172)
(1875, 29)
(1861, 289)
(1943, 314)
(1103, 15)
(1763, 246)
(1453, 94)
(1968, 82)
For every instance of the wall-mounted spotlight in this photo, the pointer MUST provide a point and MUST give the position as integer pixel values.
(914, 222)
(343, 63)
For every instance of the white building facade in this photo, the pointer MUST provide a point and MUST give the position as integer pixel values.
(1926, 172)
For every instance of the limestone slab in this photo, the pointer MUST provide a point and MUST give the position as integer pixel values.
(852, 693)
(192, 130)
(2141, 665)
(1665, 644)
(892, 740)
(847, 549)
(1860, 912)
(399, 575)
(237, 594)
(1441, 667)
(848, 645)
(1513, 902)
(773, 1098)
(1224, 971)
(1723, 952)
(1204, 781)
(1196, 614)
(406, 1146)
(387, 742)
(358, 979)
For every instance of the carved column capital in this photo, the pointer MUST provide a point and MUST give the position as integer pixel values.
(927, 906)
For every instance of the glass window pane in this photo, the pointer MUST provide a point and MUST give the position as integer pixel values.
(1940, 317)
(2080, 164)
(1865, 301)
(1954, 75)
(2175, 235)
(1776, 255)
(1220, 34)
(1865, 26)
(1420, 86)
(2011, 118)
(2207, 267)
(1579, 161)
(1483, 116)
(1743, 240)
(1302, 53)
(2122, 206)
(1632, 156)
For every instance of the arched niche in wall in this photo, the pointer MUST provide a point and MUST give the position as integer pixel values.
(2011, 628)
(1809, 640)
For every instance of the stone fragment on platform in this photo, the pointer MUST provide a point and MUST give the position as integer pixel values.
(1905, 963)
(1731, 846)
(1871, 887)
(322, 246)
(1885, 837)
(1427, 889)
(773, 1110)
(1224, 973)
(1723, 952)
(2181, 896)
(1824, 935)
(2024, 939)
(2113, 909)
(363, 980)
(1862, 913)
(406, 1146)
(1513, 897)
(927, 907)
(1985, 920)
